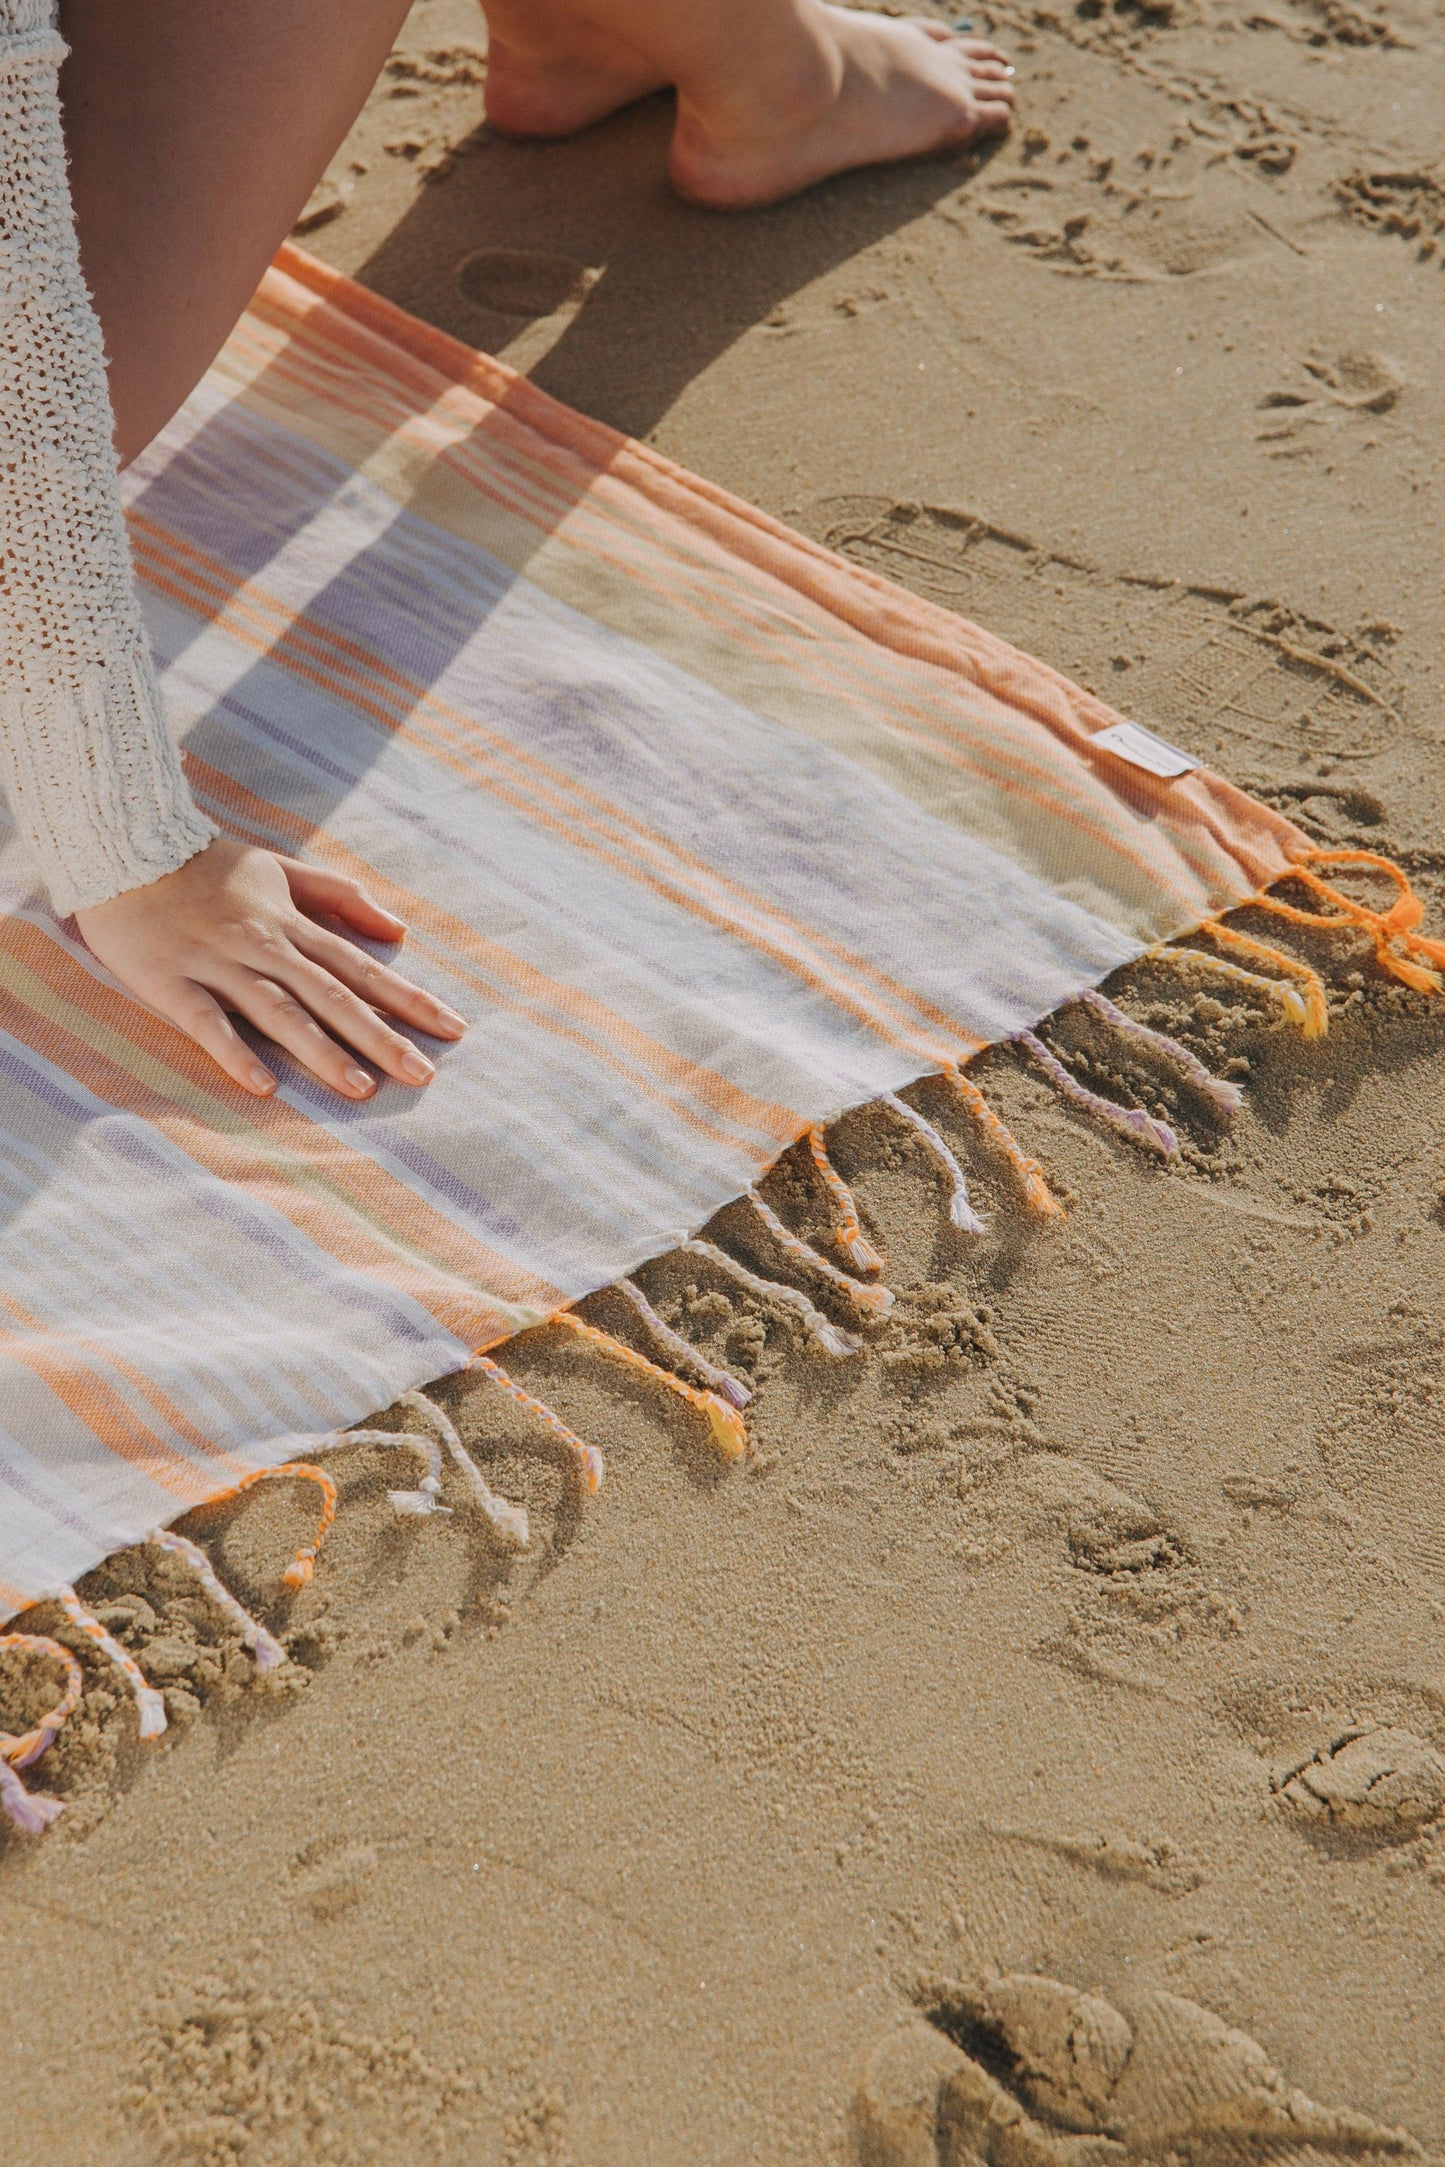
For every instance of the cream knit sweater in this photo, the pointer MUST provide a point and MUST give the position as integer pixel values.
(92, 777)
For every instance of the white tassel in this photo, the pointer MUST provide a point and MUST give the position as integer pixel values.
(960, 1211)
(509, 1521)
(266, 1651)
(830, 1337)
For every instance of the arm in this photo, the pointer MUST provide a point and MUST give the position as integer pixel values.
(200, 927)
(93, 778)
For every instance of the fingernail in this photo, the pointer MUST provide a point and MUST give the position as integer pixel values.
(449, 1015)
(357, 1080)
(416, 1067)
(263, 1080)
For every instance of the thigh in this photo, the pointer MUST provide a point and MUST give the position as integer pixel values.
(196, 130)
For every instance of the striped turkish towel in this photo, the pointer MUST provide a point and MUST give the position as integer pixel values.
(709, 834)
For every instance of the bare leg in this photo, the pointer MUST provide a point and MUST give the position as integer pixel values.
(196, 130)
(772, 94)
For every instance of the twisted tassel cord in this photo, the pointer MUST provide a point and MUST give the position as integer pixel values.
(848, 1234)
(960, 1210)
(298, 1572)
(590, 1462)
(1037, 1194)
(266, 1651)
(425, 1499)
(150, 1708)
(1225, 1096)
(1290, 1000)
(19, 1749)
(30, 1813)
(721, 1381)
(724, 1421)
(1390, 929)
(876, 1298)
(1131, 1121)
(829, 1336)
(1303, 1002)
(508, 1521)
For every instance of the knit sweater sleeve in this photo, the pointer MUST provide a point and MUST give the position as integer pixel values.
(87, 763)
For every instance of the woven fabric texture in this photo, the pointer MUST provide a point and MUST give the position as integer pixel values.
(709, 834)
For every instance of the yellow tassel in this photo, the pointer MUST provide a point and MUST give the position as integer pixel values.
(1310, 1007)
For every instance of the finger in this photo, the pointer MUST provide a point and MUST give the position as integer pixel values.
(337, 1014)
(990, 71)
(379, 987)
(980, 49)
(314, 890)
(995, 97)
(196, 1012)
(274, 1009)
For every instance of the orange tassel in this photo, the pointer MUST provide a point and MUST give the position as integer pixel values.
(1390, 929)
(726, 1424)
(1037, 1193)
(849, 1236)
(299, 1571)
(589, 1460)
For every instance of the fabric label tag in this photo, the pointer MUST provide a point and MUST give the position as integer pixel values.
(1141, 748)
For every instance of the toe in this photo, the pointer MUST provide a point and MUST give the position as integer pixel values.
(980, 49)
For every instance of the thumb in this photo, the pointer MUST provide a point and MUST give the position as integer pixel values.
(319, 893)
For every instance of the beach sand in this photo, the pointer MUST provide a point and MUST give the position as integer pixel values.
(1005, 1650)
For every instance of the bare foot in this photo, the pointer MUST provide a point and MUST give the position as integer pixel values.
(556, 85)
(867, 89)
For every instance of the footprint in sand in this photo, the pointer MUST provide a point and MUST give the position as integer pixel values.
(331, 1875)
(1027, 2072)
(1381, 1782)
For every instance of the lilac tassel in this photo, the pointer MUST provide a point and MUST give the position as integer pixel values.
(1131, 1121)
(722, 1381)
(1226, 1096)
(31, 1812)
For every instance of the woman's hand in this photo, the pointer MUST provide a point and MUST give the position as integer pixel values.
(234, 928)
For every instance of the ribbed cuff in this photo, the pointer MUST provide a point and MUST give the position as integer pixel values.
(95, 784)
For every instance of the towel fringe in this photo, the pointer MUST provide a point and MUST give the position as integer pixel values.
(1290, 1000)
(722, 1381)
(1390, 929)
(19, 1749)
(266, 1651)
(829, 1336)
(1304, 1002)
(150, 1708)
(507, 1520)
(426, 1499)
(1131, 1121)
(725, 1423)
(879, 1299)
(298, 1572)
(1037, 1193)
(30, 1813)
(848, 1234)
(1226, 1097)
(589, 1460)
(960, 1210)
